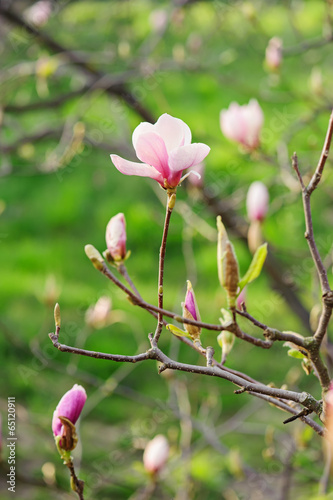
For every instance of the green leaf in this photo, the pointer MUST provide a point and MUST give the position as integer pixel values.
(294, 353)
(177, 331)
(255, 267)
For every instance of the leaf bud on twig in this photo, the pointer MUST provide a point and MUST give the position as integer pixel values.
(93, 254)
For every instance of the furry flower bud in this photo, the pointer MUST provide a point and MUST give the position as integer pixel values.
(227, 263)
(116, 237)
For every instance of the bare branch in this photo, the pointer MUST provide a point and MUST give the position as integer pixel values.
(85, 66)
(324, 155)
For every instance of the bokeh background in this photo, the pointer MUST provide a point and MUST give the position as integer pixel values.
(72, 91)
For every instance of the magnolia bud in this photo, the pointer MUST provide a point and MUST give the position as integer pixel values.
(243, 123)
(257, 201)
(116, 237)
(191, 311)
(93, 254)
(240, 299)
(156, 454)
(274, 53)
(227, 263)
(226, 341)
(69, 408)
(57, 316)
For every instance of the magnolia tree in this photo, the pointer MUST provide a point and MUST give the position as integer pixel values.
(168, 156)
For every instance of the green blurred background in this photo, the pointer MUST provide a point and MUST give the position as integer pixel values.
(58, 190)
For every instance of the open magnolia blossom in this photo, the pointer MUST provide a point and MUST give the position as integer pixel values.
(243, 123)
(165, 149)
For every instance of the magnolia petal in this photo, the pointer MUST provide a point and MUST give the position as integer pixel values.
(150, 149)
(142, 128)
(187, 156)
(174, 132)
(132, 168)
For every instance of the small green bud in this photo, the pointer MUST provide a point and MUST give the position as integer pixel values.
(93, 254)
(227, 264)
(57, 317)
(172, 201)
(226, 341)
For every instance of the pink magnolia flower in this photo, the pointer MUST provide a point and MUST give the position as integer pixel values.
(243, 123)
(165, 149)
(116, 237)
(39, 13)
(99, 315)
(156, 454)
(274, 53)
(69, 406)
(257, 201)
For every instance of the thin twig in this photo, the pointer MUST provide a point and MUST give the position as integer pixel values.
(85, 66)
(171, 196)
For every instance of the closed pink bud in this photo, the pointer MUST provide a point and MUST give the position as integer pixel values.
(191, 311)
(70, 407)
(116, 237)
(243, 123)
(241, 299)
(274, 53)
(156, 454)
(257, 201)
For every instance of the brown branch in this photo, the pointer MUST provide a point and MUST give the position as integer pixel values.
(180, 319)
(272, 334)
(307, 45)
(324, 155)
(170, 205)
(303, 398)
(118, 89)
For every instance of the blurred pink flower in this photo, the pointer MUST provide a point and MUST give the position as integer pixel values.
(158, 20)
(166, 150)
(98, 316)
(39, 13)
(274, 53)
(243, 123)
(116, 237)
(69, 406)
(257, 201)
(156, 454)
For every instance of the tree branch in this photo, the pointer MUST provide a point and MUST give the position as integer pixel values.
(118, 89)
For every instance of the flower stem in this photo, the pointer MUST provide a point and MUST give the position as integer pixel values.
(170, 204)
